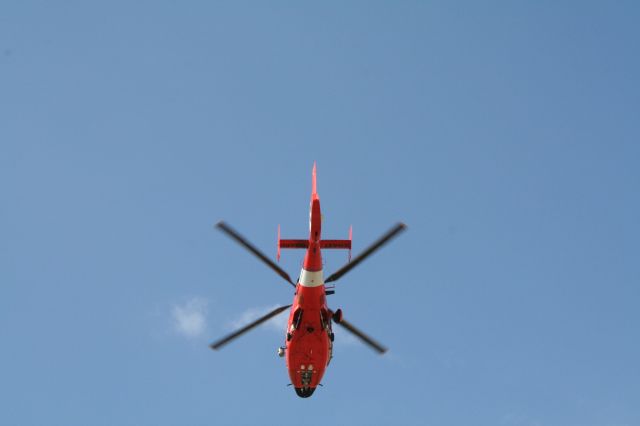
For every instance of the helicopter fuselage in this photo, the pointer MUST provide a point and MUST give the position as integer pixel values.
(309, 338)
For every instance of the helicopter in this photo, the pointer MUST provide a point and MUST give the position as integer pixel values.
(309, 337)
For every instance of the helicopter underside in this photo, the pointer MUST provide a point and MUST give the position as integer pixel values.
(308, 346)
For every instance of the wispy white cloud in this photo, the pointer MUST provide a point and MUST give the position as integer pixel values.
(189, 319)
(276, 324)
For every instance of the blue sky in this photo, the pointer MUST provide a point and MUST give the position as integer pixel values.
(505, 134)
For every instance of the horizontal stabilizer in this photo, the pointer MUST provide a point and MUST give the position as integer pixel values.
(293, 244)
(339, 244)
(324, 244)
(290, 244)
(335, 244)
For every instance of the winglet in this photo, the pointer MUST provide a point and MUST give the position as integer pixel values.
(350, 240)
(278, 255)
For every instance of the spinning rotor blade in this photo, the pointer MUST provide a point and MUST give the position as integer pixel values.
(221, 342)
(246, 244)
(366, 339)
(362, 256)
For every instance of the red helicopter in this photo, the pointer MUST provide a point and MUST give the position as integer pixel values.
(309, 339)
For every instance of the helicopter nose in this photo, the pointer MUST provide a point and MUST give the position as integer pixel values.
(305, 392)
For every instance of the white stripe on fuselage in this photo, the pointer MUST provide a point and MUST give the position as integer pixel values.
(311, 278)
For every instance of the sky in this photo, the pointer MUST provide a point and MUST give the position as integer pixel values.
(504, 134)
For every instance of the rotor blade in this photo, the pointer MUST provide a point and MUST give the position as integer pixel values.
(246, 244)
(221, 342)
(362, 256)
(366, 339)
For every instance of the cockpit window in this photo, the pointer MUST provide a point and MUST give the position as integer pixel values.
(323, 319)
(297, 317)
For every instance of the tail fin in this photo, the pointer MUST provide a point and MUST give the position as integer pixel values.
(314, 187)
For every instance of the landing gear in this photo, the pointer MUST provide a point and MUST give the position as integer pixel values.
(337, 316)
(281, 350)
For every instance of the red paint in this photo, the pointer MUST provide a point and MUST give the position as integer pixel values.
(308, 342)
